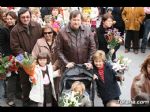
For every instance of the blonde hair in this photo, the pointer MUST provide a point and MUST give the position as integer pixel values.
(35, 11)
(99, 54)
(48, 18)
(86, 18)
(76, 85)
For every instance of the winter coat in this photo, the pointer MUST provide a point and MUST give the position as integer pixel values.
(72, 48)
(116, 12)
(133, 18)
(140, 84)
(41, 46)
(4, 41)
(21, 41)
(37, 91)
(109, 89)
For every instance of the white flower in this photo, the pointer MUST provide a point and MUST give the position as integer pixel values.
(121, 65)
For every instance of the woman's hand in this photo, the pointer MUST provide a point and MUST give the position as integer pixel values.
(112, 51)
(70, 65)
(88, 66)
(54, 67)
(95, 77)
(120, 78)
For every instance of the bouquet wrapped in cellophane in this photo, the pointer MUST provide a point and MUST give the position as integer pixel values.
(121, 65)
(113, 39)
(7, 65)
(28, 62)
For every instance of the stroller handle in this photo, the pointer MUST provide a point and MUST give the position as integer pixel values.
(75, 65)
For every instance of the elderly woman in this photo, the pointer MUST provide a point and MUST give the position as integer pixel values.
(47, 44)
(141, 83)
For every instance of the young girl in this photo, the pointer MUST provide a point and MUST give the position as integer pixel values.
(43, 92)
(79, 88)
(105, 77)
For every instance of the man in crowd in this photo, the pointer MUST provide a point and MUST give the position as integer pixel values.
(75, 43)
(22, 39)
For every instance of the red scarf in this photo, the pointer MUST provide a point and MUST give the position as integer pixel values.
(101, 72)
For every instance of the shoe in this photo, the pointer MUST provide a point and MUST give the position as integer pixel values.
(135, 51)
(142, 50)
(11, 103)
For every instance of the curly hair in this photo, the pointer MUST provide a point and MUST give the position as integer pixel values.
(144, 66)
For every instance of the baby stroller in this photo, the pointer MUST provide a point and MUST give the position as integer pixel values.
(78, 73)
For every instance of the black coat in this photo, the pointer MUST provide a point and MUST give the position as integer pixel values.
(101, 42)
(109, 89)
(117, 14)
(5, 41)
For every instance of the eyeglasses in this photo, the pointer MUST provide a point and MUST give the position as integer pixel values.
(23, 17)
(47, 33)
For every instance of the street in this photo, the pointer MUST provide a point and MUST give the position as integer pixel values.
(134, 69)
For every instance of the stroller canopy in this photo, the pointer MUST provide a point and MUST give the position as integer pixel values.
(77, 73)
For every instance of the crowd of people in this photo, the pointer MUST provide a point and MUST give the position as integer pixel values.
(61, 37)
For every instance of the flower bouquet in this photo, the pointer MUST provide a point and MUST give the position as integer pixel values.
(8, 65)
(113, 39)
(69, 99)
(28, 63)
(121, 65)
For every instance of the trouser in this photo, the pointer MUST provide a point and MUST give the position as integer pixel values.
(13, 86)
(2, 92)
(26, 87)
(146, 32)
(134, 37)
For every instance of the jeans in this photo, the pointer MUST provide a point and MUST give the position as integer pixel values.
(2, 91)
(146, 32)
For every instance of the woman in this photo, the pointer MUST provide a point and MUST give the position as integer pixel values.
(3, 12)
(47, 44)
(106, 23)
(141, 83)
(13, 85)
(57, 16)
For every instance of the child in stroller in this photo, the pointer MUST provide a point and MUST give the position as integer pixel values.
(79, 80)
(78, 88)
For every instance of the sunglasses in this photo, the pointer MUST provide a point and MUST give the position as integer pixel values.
(47, 33)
